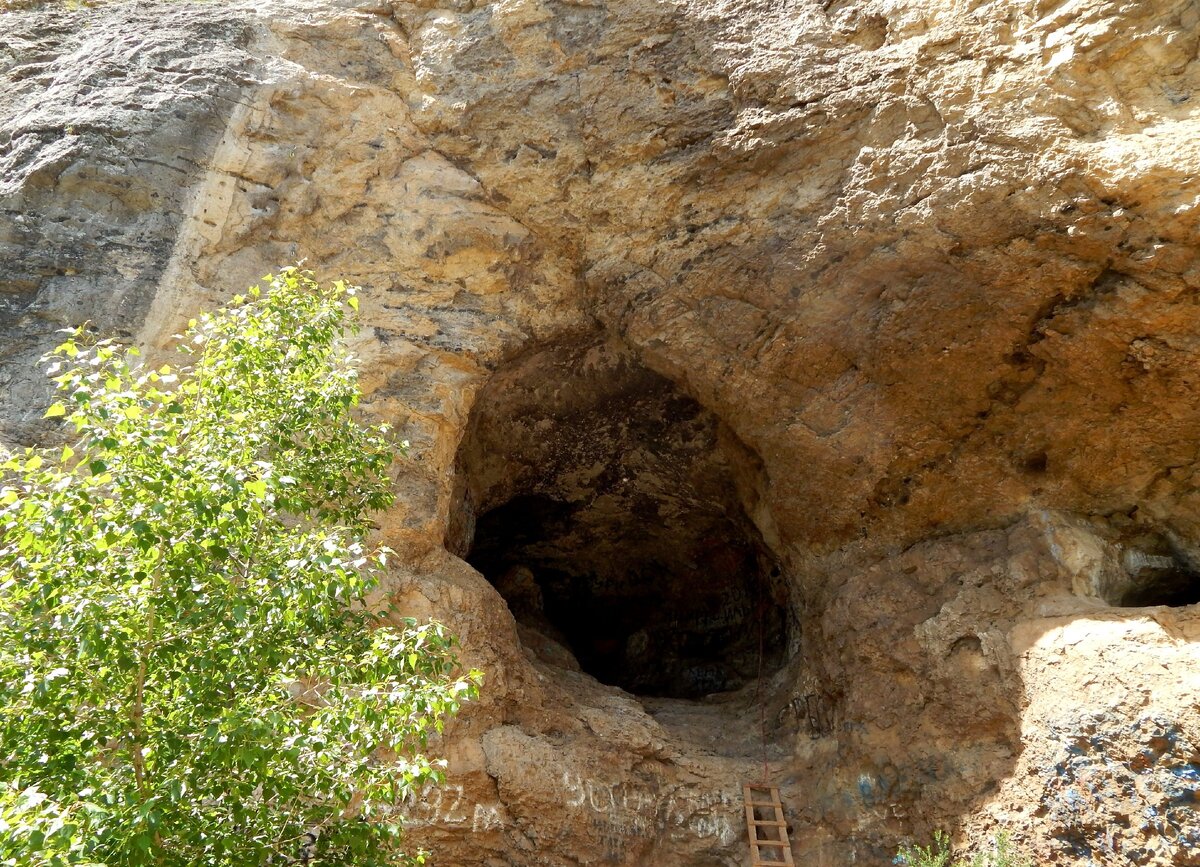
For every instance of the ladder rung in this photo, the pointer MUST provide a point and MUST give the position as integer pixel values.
(780, 849)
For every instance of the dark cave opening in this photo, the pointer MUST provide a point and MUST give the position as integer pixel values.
(608, 509)
(1167, 582)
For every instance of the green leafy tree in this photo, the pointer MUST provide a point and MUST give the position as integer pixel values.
(189, 672)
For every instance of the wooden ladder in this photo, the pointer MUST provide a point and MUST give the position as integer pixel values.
(766, 832)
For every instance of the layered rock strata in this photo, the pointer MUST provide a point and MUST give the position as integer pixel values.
(918, 278)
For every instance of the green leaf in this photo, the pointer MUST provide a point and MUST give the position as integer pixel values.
(55, 410)
(158, 579)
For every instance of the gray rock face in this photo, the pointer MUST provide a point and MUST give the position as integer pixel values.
(927, 270)
(106, 131)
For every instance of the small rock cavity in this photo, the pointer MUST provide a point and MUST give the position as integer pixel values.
(607, 508)
(1161, 577)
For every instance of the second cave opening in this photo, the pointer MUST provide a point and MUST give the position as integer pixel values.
(608, 508)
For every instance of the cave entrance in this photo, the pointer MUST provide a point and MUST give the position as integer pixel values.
(1159, 577)
(606, 507)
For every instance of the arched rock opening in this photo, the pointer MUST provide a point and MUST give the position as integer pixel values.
(1158, 577)
(1135, 564)
(606, 507)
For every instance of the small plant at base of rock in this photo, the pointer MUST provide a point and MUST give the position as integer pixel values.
(189, 674)
(939, 853)
(1000, 855)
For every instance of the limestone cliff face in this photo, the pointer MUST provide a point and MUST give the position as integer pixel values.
(912, 285)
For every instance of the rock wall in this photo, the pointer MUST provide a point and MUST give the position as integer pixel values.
(929, 267)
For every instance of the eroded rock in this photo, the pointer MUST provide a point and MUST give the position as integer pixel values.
(923, 275)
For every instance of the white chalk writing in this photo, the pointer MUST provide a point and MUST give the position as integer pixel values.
(634, 811)
(486, 818)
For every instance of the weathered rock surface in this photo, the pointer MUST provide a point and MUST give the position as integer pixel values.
(926, 271)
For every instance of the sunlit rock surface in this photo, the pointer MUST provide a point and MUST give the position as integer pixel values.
(922, 272)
